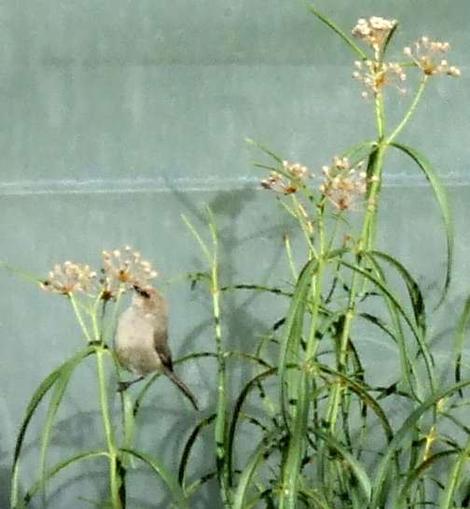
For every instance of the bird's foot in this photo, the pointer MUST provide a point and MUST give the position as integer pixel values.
(123, 386)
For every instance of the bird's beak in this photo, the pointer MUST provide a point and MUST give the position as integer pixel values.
(142, 292)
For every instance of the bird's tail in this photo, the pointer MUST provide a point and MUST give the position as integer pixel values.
(182, 387)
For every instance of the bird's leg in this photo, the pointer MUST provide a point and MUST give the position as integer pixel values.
(122, 386)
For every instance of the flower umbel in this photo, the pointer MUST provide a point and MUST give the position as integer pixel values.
(343, 185)
(427, 55)
(123, 270)
(293, 175)
(374, 31)
(374, 75)
(70, 277)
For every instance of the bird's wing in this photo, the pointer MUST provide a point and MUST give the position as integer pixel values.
(160, 342)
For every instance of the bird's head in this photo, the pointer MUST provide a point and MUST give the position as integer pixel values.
(147, 298)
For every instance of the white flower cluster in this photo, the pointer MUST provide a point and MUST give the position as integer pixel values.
(342, 184)
(121, 271)
(293, 175)
(374, 75)
(374, 31)
(69, 277)
(427, 55)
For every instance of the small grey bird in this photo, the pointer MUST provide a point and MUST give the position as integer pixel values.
(141, 341)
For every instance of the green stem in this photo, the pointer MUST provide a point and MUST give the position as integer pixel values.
(297, 441)
(410, 111)
(365, 244)
(79, 317)
(94, 319)
(220, 428)
(114, 481)
(380, 115)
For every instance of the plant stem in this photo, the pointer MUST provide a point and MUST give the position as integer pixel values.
(410, 111)
(79, 317)
(292, 465)
(114, 482)
(365, 244)
(223, 471)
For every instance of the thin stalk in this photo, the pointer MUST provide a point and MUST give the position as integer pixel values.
(220, 427)
(79, 317)
(290, 257)
(94, 319)
(296, 448)
(113, 453)
(380, 115)
(410, 111)
(365, 243)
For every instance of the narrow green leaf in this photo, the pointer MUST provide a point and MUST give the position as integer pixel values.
(292, 334)
(396, 305)
(459, 339)
(163, 473)
(264, 149)
(378, 322)
(189, 445)
(58, 393)
(389, 38)
(56, 469)
(34, 402)
(415, 474)
(414, 291)
(236, 414)
(329, 23)
(262, 451)
(405, 431)
(355, 467)
(363, 394)
(454, 479)
(441, 198)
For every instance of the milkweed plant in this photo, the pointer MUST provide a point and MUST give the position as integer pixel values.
(324, 434)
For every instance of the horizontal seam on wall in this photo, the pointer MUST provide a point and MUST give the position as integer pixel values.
(183, 184)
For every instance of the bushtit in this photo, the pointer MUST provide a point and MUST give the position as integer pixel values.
(141, 341)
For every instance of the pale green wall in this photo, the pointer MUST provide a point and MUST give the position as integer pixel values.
(118, 116)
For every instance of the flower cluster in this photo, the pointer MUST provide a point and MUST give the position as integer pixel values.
(69, 278)
(293, 175)
(427, 55)
(343, 184)
(121, 271)
(374, 75)
(374, 31)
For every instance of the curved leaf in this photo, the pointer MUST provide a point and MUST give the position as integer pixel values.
(60, 466)
(163, 473)
(264, 448)
(394, 301)
(441, 198)
(59, 390)
(361, 391)
(189, 445)
(414, 291)
(327, 21)
(401, 435)
(292, 334)
(356, 468)
(236, 414)
(414, 475)
(460, 338)
(34, 402)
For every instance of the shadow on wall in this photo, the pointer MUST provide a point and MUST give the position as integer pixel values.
(5, 480)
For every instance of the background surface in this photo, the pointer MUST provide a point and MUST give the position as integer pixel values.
(118, 116)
